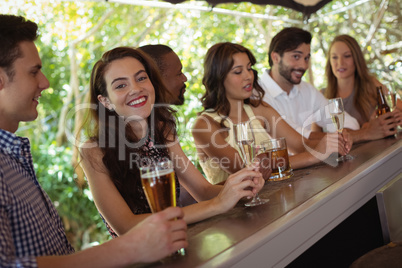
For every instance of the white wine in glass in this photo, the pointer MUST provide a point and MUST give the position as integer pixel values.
(337, 113)
(390, 95)
(390, 98)
(244, 136)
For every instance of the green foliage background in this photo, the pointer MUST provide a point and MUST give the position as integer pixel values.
(67, 39)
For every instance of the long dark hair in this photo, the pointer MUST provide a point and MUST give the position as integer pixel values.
(218, 63)
(115, 137)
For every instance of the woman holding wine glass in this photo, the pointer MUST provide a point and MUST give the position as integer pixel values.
(234, 96)
(337, 112)
(348, 78)
(129, 126)
(246, 142)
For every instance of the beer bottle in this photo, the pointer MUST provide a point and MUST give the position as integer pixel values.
(382, 106)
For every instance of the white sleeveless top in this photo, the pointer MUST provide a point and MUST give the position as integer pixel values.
(215, 174)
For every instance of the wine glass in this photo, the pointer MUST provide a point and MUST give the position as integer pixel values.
(244, 136)
(337, 113)
(390, 97)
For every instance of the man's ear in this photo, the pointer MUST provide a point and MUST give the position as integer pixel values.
(105, 102)
(3, 78)
(275, 57)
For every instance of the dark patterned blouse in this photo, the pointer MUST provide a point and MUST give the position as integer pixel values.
(148, 152)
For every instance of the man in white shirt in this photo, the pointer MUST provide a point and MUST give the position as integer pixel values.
(298, 102)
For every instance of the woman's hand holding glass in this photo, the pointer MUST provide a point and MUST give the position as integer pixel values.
(244, 137)
(245, 183)
(337, 113)
(329, 144)
(347, 140)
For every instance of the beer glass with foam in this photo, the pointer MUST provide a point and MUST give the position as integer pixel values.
(159, 184)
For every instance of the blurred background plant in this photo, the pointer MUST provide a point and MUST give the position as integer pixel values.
(74, 34)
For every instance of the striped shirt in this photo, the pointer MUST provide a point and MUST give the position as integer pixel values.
(29, 223)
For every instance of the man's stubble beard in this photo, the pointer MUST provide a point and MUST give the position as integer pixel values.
(286, 73)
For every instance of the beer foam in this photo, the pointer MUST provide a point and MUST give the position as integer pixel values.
(156, 173)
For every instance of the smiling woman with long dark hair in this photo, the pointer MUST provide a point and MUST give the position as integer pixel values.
(130, 125)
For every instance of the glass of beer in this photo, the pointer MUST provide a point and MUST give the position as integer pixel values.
(159, 184)
(263, 158)
(276, 150)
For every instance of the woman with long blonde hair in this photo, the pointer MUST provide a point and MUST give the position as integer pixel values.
(349, 78)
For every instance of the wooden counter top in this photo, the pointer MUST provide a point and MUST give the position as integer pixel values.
(301, 210)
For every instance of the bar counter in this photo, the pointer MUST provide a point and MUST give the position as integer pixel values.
(300, 211)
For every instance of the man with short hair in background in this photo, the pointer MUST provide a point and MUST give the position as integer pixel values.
(298, 102)
(170, 67)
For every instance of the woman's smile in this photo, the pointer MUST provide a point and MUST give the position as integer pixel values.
(129, 88)
(138, 102)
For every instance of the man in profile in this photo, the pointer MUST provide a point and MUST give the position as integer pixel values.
(31, 231)
(297, 101)
(170, 67)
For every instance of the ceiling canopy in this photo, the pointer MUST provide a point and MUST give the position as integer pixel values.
(307, 7)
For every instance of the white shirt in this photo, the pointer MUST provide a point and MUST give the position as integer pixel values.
(303, 106)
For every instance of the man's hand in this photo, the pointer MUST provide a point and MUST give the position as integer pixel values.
(157, 236)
